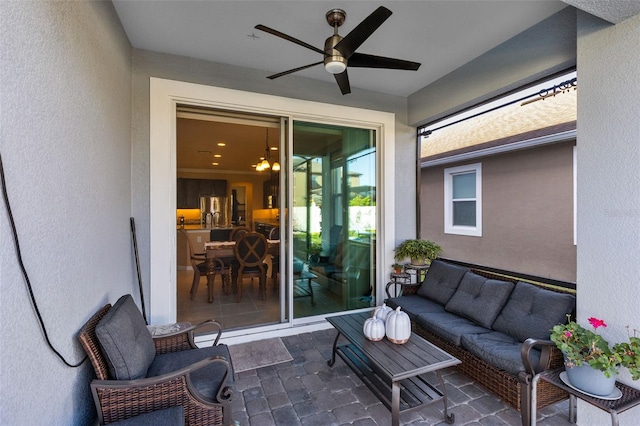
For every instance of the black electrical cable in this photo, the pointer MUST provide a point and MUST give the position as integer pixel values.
(24, 270)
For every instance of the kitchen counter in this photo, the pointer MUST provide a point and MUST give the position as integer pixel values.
(190, 227)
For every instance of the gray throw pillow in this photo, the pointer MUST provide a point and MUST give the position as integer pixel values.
(441, 281)
(126, 342)
(532, 311)
(479, 299)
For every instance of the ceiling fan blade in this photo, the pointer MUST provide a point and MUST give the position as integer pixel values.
(280, 74)
(289, 38)
(343, 81)
(359, 34)
(363, 60)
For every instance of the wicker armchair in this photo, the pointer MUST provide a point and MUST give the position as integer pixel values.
(199, 383)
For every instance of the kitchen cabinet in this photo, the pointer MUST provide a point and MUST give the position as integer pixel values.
(189, 191)
(270, 192)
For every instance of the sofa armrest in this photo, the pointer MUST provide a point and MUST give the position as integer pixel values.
(183, 339)
(548, 357)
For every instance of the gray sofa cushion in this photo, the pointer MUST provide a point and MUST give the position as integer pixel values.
(172, 416)
(450, 327)
(441, 281)
(498, 349)
(414, 305)
(532, 311)
(125, 341)
(479, 299)
(206, 380)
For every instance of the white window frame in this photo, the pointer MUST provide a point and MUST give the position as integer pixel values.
(449, 227)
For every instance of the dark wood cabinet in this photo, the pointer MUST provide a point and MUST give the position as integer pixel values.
(270, 192)
(189, 191)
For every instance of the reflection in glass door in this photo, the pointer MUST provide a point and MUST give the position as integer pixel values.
(333, 217)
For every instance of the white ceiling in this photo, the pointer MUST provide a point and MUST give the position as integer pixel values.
(442, 35)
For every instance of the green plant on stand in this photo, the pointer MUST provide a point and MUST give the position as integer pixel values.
(397, 268)
(419, 251)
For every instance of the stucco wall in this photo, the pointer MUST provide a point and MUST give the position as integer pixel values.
(609, 184)
(65, 139)
(527, 213)
(150, 64)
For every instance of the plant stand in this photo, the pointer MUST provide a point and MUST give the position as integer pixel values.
(630, 397)
(420, 271)
(401, 280)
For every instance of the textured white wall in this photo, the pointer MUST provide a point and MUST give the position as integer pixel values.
(608, 273)
(65, 125)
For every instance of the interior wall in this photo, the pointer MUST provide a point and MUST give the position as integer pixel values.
(537, 52)
(609, 184)
(66, 144)
(147, 64)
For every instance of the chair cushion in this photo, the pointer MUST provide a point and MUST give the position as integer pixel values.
(499, 350)
(206, 380)
(532, 311)
(441, 281)
(172, 416)
(125, 341)
(479, 299)
(414, 305)
(449, 326)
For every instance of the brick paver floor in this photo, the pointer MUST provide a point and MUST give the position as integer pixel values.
(306, 391)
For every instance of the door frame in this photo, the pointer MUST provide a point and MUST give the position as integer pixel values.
(165, 95)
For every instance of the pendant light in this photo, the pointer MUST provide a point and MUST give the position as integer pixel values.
(264, 163)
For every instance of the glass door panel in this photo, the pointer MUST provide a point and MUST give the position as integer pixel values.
(333, 217)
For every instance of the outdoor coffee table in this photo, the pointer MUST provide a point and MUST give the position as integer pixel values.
(394, 373)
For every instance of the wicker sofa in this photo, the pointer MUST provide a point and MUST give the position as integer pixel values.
(497, 325)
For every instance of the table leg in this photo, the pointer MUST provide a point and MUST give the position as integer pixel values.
(210, 282)
(333, 353)
(395, 403)
(573, 402)
(313, 303)
(449, 418)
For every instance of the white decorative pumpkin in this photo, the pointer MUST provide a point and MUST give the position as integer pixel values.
(398, 327)
(373, 329)
(381, 312)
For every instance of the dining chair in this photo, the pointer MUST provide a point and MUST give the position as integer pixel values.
(274, 234)
(250, 251)
(205, 264)
(237, 232)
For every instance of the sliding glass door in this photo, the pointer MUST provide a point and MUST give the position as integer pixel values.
(334, 218)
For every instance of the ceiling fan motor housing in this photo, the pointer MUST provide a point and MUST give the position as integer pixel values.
(334, 62)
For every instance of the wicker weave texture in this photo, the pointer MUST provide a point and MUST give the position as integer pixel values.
(117, 400)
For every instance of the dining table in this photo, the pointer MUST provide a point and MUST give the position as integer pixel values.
(223, 250)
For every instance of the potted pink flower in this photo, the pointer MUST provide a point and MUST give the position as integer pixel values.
(582, 347)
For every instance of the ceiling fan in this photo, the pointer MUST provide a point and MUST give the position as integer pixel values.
(340, 52)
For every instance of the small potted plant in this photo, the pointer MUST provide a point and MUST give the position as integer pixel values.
(419, 251)
(585, 348)
(397, 268)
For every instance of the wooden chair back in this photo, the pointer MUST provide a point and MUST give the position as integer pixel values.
(251, 249)
(237, 232)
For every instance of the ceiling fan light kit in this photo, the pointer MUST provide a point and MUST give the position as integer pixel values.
(340, 52)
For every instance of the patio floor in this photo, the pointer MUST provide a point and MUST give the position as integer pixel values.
(306, 391)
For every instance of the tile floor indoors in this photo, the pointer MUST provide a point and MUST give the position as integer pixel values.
(251, 310)
(306, 391)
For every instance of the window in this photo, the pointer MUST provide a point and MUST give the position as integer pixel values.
(463, 200)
